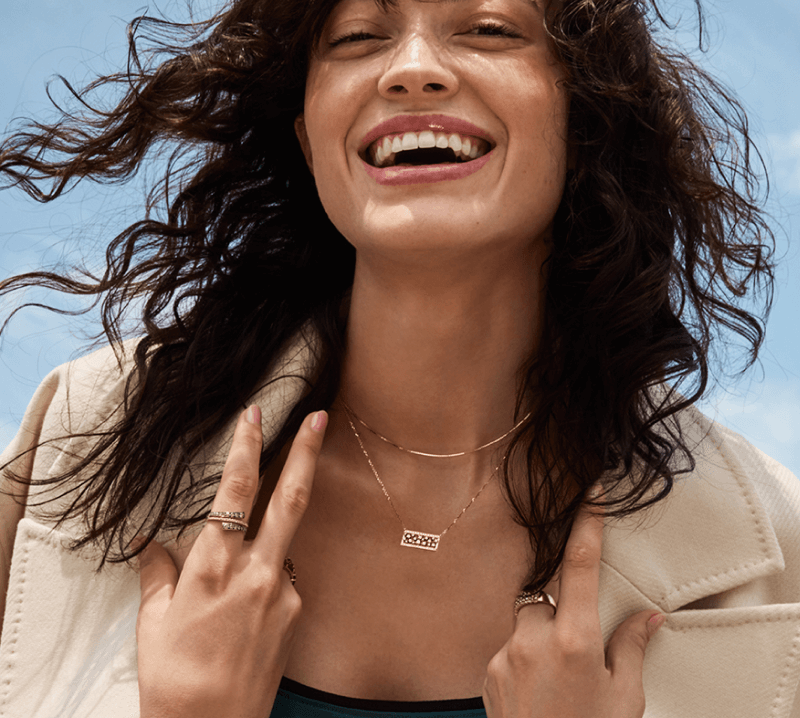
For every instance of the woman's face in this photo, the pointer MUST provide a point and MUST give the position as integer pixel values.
(473, 78)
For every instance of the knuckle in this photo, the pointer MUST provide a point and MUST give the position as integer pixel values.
(309, 449)
(211, 575)
(497, 667)
(579, 556)
(270, 590)
(574, 647)
(266, 586)
(296, 498)
(240, 486)
(209, 580)
(638, 639)
(519, 653)
(252, 439)
(632, 696)
(294, 606)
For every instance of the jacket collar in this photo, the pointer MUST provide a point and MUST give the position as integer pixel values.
(712, 532)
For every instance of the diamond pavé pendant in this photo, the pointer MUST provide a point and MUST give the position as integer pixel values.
(418, 539)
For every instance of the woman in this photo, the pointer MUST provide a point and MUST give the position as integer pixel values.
(491, 239)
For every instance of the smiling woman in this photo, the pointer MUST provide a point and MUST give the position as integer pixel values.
(377, 68)
(489, 246)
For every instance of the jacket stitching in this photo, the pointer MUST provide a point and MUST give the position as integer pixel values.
(728, 624)
(736, 472)
(16, 623)
(782, 697)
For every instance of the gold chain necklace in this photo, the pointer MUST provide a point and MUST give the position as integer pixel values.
(415, 539)
(434, 456)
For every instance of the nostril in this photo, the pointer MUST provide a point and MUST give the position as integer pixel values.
(433, 87)
(397, 88)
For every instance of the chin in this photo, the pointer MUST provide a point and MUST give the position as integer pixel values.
(403, 231)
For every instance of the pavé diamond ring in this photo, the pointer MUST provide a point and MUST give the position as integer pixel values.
(528, 598)
(231, 520)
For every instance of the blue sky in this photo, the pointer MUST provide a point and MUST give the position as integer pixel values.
(752, 47)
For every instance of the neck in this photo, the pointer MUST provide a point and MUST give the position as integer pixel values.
(433, 354)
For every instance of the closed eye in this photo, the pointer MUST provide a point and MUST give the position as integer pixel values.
(482, 28)
(493, 28)
(351, 37)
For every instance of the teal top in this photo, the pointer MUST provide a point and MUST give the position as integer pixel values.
(294, 700)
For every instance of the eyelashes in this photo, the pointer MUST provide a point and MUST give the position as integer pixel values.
(351, 37)
(494, 28)
(484, 28)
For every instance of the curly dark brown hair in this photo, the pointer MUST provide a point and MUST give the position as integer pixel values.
(659, 240)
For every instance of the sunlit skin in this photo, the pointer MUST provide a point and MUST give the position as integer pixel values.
(446, 305)
(447, 294)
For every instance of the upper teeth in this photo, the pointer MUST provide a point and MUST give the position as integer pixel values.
(383, 152)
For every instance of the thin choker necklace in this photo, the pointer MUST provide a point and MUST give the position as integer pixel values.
(415, 539)
(434, 456)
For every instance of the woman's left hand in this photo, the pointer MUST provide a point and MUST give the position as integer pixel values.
(555, 665)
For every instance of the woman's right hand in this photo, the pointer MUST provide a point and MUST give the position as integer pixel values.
(215, 641)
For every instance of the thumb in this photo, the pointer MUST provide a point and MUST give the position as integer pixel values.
(628, 644)
(158, 577)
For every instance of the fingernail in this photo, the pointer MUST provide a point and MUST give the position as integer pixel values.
(254, 415)
(654, 622)
(319, 421)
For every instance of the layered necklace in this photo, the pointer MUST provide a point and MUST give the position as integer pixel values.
(421, 539)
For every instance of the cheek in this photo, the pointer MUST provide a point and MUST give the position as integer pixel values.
(330, 176)
(526, 96)
(536, 165)
(538, 150)
(543, 111)
(332, 104)
(327, 122)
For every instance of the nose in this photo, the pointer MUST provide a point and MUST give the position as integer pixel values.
(416, 68)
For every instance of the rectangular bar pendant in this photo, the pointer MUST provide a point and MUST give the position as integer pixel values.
(418, 539)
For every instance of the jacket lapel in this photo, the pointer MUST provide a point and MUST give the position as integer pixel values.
(737, 656)
(711, 534)
(710, 543)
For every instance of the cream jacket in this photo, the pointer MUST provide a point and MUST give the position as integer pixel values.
(720, 556)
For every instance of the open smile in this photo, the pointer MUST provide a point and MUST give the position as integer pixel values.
(412, 149)
(424, 148)
(417, 149)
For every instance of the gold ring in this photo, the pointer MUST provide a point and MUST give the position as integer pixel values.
(289, 567)
(528, 598)
(231, 520)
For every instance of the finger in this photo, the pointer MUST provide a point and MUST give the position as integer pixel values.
(580, 571)
(293, 491)
(627, 646)
(158, 577)
(239, 483)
